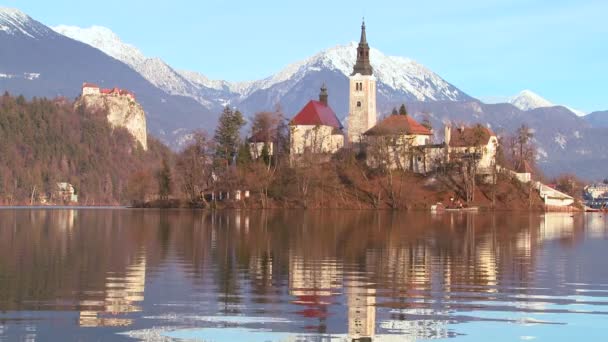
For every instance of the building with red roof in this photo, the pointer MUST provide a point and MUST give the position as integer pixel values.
(316, 128)
(93, 89)
(478, 142)
(401, 142)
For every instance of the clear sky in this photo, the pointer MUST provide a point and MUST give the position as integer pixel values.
(556, 48)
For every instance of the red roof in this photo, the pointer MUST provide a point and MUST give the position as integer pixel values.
(89, 85)
(470, 136)
(398, 125)
(316, 113)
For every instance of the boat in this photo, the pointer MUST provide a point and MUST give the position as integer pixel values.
(466, 209)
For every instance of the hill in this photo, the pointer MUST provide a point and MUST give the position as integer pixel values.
(37, 61)
(43, 142)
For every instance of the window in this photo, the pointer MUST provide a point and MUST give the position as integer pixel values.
(359, 104)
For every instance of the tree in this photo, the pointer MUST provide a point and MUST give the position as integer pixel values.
(243, 157)
(395, 111)
(525, 150)
(195, 167)
(227, 134)
(139, 187)
(402, 110)
(163, 177)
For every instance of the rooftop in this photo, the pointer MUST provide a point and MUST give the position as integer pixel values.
(399, 125)
(316, 113)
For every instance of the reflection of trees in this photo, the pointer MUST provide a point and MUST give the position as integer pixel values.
(407, 265)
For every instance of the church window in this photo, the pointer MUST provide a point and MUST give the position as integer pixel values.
(359, 104)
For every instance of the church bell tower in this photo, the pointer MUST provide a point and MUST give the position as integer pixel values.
(362, 93)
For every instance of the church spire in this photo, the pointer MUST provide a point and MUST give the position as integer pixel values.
(363, 66)
(323, 94)
(363, 39)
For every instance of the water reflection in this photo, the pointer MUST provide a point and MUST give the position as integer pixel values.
(354, 276)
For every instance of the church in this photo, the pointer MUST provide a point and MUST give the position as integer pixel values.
(407, 144)
(317, 129)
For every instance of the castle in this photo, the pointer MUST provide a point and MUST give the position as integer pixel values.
(93, 89)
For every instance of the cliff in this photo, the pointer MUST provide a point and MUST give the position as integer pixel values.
(121, 111)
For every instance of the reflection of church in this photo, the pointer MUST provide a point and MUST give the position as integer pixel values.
(313, 283)
(121, 297)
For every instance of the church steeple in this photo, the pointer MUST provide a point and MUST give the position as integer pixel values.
(363, 66)
(323, 94)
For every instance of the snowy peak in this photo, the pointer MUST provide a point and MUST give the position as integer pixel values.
(528, 100)
(395, 73)
(105, 40)
(15, 22)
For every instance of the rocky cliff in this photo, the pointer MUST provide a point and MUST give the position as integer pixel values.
(121, 111)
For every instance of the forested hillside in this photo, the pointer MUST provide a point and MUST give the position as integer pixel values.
(43, 142)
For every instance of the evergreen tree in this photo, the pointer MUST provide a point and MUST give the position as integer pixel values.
(244, 155)
(402, 110)
(227, 134)
(163, 177)
(395, 111)
(266, 154)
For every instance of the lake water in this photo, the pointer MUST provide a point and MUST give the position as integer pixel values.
(119, 274)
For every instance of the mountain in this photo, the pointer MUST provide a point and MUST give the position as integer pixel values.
(564, 141)
(597, 119)
(527, 100)
(40, 62)
(37, 61)
(398, 78)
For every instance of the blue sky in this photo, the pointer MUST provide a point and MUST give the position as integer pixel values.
(556, 48)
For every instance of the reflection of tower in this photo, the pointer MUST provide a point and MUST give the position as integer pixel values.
(121, 297)
(361, 312)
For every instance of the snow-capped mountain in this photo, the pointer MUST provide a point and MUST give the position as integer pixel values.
(13, 21)
(398, 77)
(528, 100)
(37, 61)
(153, 69)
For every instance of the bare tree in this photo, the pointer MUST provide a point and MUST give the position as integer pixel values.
(195, 167)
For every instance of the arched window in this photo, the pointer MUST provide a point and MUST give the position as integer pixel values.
(359, 104)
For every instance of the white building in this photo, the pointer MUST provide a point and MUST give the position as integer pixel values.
(400, 142)
(316, 128)
(478, 142)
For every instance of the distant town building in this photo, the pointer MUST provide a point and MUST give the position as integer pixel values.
(316, 128)
(66, 193)
(362, 93)
(258, 142)
(596, 195)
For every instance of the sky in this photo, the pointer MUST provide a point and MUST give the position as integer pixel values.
(487, 48)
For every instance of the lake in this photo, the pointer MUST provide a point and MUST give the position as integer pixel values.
(154, 275)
